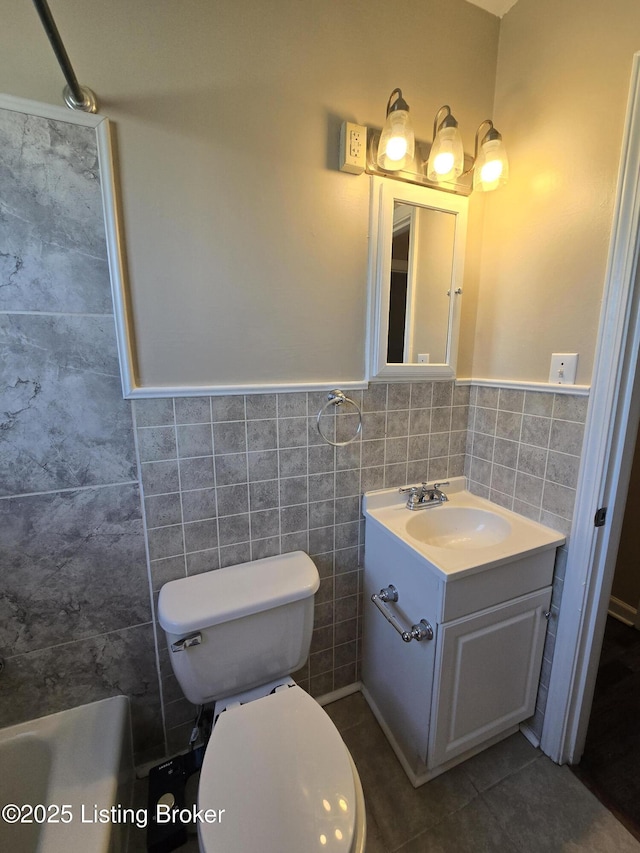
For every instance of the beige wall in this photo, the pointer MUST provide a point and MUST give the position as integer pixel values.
(562, 84)
(247, 248)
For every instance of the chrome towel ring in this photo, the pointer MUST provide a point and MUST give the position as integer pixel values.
(337, 398)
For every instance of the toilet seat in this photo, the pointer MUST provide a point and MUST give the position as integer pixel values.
(283, 775)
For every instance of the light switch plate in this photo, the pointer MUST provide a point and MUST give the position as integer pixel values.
(564, 366)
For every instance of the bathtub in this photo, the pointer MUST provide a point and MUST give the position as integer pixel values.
(66, 781)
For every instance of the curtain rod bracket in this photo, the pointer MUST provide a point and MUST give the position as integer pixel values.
(89, 103)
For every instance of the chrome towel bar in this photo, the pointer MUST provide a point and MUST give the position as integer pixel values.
(421, 631)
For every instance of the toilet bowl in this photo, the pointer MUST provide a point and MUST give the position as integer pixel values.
(284, 776)
(277, 776)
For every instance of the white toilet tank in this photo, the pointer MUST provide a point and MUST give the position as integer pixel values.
(233, 629)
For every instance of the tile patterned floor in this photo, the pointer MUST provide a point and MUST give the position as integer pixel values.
(609, 766)
(508, 799)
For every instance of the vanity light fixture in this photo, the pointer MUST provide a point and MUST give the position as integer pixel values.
(442, 164)
(397, 141)
(446, 158)
(490, 163)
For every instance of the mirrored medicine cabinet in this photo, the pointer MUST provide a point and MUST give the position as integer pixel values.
(416, 263)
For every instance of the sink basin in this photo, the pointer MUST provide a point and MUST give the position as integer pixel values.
(465, 535)
(458, 527)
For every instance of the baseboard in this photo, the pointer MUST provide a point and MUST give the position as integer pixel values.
(328, 698)
(622, 611)
(530, 735)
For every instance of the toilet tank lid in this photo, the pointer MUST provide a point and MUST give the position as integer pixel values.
(210, 598)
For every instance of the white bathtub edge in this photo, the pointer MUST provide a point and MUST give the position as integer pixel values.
(92, 766)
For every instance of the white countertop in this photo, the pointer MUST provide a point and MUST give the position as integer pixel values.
(387, 508)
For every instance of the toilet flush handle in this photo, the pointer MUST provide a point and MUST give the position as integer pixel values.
(186, 642)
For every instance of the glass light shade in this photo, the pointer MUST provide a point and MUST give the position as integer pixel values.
(491, 169)
(397, 142)
(446, 159)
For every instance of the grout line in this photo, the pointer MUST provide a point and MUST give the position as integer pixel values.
(156, 642)
(82, 639)
(56, 314)
(68, 489)
(184, 544)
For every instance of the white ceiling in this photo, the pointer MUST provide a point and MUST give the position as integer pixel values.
(496, 7)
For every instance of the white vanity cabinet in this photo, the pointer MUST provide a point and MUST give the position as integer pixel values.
(442, 700)
(398, 677)
(487, 671)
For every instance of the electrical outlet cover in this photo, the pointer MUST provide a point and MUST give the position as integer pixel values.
(353, 141)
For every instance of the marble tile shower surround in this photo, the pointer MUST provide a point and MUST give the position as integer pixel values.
(230, 479)
(75, 609)
(53, 256)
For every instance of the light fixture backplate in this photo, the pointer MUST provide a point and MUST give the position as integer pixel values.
(463, 185)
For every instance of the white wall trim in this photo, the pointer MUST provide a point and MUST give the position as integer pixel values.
(50, 111)
(145, 392)
(115, 253)
(111, 216)
(523, 385)
(605, 466)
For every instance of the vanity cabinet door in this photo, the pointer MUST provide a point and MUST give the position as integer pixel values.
(487, 674)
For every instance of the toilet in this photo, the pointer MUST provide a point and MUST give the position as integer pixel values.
(275, 762)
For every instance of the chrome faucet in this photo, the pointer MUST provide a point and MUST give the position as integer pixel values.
(424, 496)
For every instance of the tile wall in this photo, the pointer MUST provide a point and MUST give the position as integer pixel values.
(523, 452)
(229, 479)
(75, 610)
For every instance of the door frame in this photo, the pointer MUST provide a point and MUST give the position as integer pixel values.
(610, 433)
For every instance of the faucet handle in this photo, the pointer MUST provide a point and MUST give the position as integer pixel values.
(438, 493)
(412, 489)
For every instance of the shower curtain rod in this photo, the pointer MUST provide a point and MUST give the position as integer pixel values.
(76, 97)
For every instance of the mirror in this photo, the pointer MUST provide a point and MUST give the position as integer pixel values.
(415, 280)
